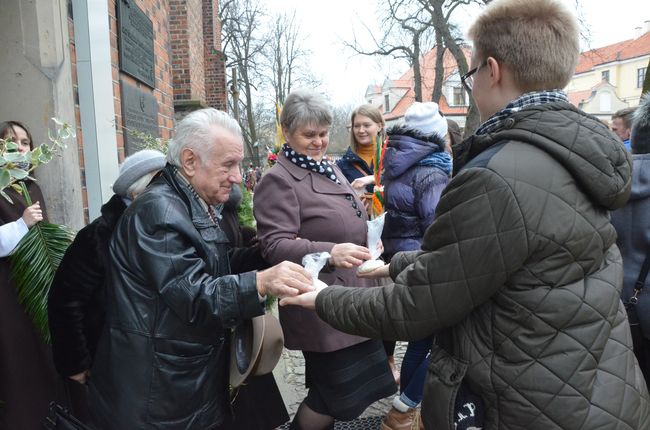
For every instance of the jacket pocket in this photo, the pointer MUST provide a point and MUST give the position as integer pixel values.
(444, 376)
(183, 376)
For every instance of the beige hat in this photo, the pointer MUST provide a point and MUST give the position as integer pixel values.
(255, 348)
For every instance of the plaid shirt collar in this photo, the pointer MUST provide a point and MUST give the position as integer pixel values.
(213, 211)
(525, 100)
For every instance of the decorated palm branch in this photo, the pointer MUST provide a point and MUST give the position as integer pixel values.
(378, 165)
(37, 256)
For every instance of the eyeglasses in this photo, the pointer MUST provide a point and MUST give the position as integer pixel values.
(467, 80)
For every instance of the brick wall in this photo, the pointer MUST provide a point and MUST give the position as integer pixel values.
(157, 11)
(186, 31)
(189, 65)
(215, 66)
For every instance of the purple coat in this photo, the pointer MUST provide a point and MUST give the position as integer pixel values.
(416, 171)
(300, 212)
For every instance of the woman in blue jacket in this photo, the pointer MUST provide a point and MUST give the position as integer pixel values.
(417, 168)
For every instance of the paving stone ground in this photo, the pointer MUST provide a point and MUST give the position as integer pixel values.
(290, 377)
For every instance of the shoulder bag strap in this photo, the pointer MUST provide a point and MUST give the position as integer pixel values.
(640, 281)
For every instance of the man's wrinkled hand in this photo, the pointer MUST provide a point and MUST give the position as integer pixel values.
(286, 279)
(307, 300)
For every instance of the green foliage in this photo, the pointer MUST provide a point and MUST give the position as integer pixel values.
(33, 266)
(12, 162)
(150, 142)
(245, 211)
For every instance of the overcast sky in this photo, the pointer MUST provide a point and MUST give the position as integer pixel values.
(345, 76)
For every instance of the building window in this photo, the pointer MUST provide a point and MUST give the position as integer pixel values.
(640, 77)
(458, 96)
(605, 102)
(605, 75)
(386, 103)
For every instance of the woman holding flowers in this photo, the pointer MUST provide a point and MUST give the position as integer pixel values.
(27, 375)
(304, 205)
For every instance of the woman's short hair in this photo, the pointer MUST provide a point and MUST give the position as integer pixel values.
(538, 40)
(139, 186)
(371, 112)
(7, 131)
(195, 132)
(304, 107)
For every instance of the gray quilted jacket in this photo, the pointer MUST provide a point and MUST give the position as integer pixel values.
(521, 277)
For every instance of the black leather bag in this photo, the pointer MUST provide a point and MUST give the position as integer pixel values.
(59, 418)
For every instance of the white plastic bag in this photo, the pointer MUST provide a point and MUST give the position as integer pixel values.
(375, 227)
(314, 263)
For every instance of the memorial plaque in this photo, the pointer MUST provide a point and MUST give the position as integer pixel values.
(135, 35)
(139, 112)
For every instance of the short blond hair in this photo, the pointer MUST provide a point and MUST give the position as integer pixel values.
(537, 39)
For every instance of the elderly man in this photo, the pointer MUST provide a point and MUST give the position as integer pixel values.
(162, 361)
(519, 274)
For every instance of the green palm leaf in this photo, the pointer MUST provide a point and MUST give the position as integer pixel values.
(33, 265)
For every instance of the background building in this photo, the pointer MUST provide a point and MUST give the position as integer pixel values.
(107, 67)
(611, 78)
(393, 97)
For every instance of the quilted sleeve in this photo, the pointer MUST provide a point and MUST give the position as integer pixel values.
(476, 242)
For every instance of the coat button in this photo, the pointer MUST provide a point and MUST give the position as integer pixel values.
(509, 123)
(348, 196)
(354, 205)
(359, 214)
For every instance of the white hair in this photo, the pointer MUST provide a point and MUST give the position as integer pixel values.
(138, 186)
(195, 131)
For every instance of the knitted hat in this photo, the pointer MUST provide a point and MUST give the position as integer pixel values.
(136, 166)
(425, 118)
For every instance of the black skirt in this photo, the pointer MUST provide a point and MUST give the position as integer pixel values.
(343, 383)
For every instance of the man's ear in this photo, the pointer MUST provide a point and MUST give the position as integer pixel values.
(495, 71)
(189, 162)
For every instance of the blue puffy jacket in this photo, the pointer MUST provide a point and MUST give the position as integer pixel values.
(416, 171)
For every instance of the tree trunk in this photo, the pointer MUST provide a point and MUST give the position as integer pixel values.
(440, 69)
(441, 25)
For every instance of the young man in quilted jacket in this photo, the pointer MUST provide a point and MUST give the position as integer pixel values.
(519, 274)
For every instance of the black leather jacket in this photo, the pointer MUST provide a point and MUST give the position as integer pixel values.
(163, 361)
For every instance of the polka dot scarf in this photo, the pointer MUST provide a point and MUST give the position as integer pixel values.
(322, 167)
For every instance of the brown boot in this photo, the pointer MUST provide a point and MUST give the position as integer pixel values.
(396, 420)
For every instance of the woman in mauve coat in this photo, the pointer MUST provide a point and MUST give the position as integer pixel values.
(305, 205)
